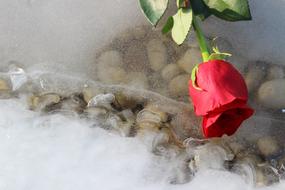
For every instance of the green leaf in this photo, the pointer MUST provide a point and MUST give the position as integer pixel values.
(219, 56)
(182, 24)
(168, 25)
(200, 9)
(193, 77)
(180, 3)
(230, 10)
(183, 3)
(153, 9)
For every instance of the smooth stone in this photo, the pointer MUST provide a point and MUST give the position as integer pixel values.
(253, 77)
(275, 72)
(74, 103)
(124, 101)
(111, 75)
(5, 89)
(96, 113)
(260, 178)
(145, 127)
(102, 100)
(88, 93)
(44, 102)
(156, 81)
(281, 164)
(189, 60)
(126, 128)
(178, 86)
(128, 115)
(157, 54)
(271, 94)
(109, 68)
(267, 146)
(111, 58)
(266, 175)
(170, 71)
(247, 157)
(162, 91)
(137, 80)
(135, 57)
(155, 110)
(4, 85)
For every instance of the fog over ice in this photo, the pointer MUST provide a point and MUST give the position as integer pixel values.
(63, 152)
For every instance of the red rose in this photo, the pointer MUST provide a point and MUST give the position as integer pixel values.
(221, 98)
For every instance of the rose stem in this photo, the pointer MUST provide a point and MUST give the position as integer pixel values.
(201, 40)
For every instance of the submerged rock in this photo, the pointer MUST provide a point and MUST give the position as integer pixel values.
(157, 54)
(155, 109)
(74, 103)
(190, 59)
(253, 77)
(178, 86)
(123, 101)
(111, 75)
(45, 102)
(170, 71)
(266, 175)
(271, 94)
(110, 58)
(102, 100)
(88, 93)
(137, 80)
(268, 146)
(275, 72)
(5, 89)
(110, 68)
(99, 113)
(4, 85)
(210, 156)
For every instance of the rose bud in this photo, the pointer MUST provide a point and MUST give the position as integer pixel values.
(219, 94)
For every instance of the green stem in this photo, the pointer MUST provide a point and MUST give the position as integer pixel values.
(201, 40)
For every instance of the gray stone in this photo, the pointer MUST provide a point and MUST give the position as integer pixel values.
(110, 58)
(5, 89)
(275, 72)
(190, 59)
(178, 86)
(137, 80)
(170, 71)
(109, 68)
(44, 102)
(253, 77)
(267, 146)
(271, 94)
(157, 54)
(111, 75)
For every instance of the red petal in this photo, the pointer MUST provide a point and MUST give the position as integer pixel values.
(222, 85)
(216, 125)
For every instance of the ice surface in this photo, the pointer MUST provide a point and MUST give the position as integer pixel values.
(60, 34)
